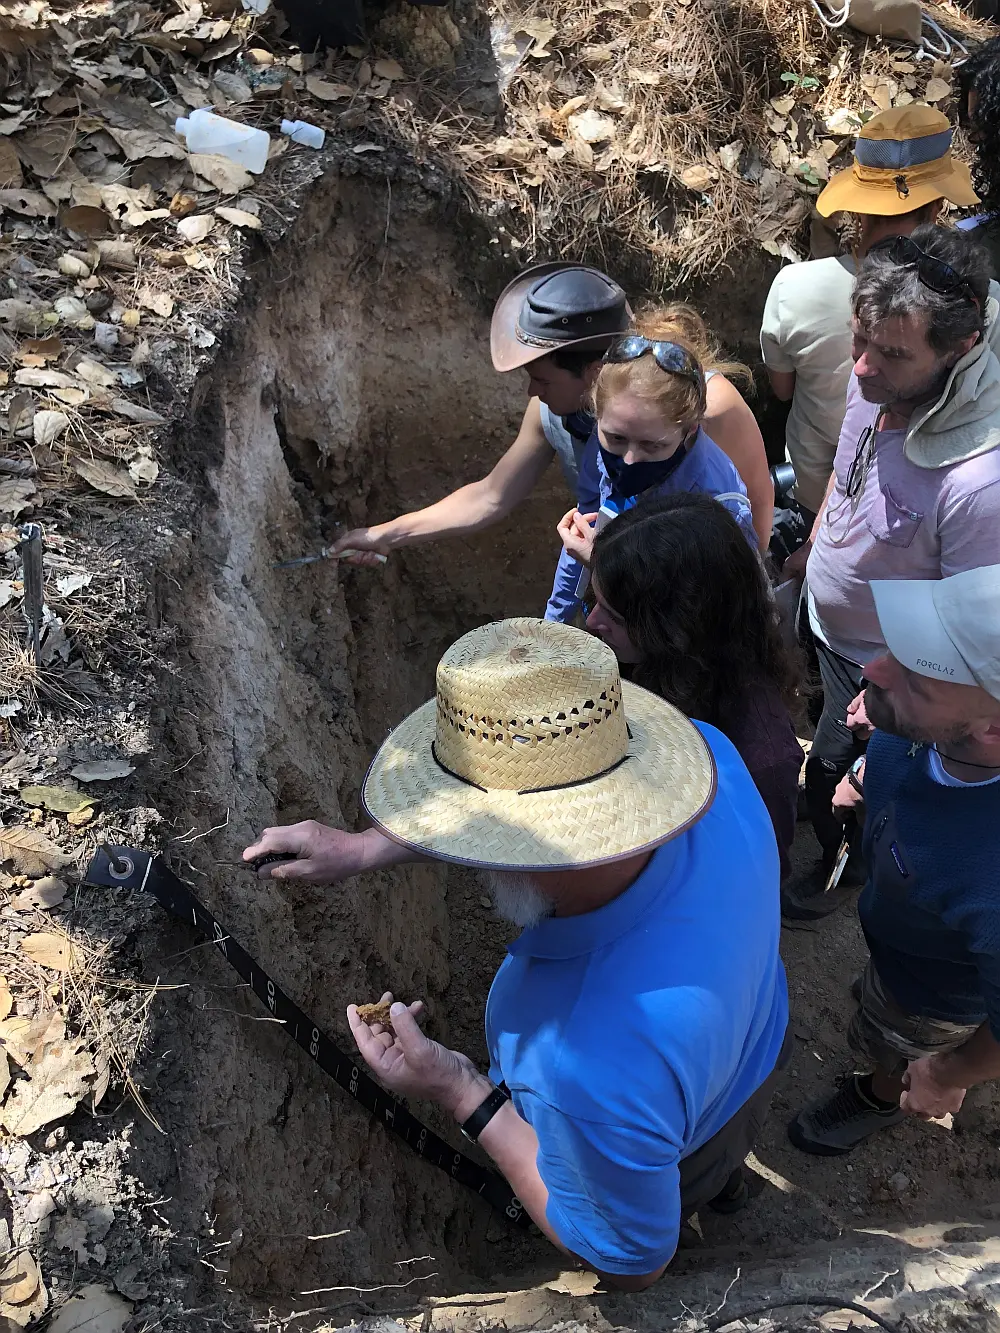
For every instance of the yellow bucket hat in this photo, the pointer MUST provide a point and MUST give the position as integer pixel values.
(902, 161)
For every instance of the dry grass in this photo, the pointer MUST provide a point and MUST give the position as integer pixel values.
(641, 134)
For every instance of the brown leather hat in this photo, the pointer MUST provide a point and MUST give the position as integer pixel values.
(552, 307)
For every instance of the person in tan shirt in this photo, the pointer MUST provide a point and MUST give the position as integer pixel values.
(903, 172)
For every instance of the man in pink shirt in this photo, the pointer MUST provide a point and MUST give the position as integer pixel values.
(915, 492)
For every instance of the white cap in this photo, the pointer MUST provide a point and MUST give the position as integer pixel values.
(948, 629)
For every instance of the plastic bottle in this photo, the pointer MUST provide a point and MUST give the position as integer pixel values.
(300, 131)
(205, 132)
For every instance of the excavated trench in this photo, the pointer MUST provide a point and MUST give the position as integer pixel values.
(358, 383)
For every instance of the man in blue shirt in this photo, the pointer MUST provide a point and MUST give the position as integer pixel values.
(637, 1023)
(928, 1013)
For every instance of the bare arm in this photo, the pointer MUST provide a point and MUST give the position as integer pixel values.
(782, 384)
(796, 563)
(471, 508)
(733, 427)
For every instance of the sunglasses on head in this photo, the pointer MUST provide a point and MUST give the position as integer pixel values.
(671, 357)
(933, 273)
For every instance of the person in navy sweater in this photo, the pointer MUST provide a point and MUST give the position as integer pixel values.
(928, 1014)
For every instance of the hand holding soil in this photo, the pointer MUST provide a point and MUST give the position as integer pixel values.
(406, 1061)
(577, 534)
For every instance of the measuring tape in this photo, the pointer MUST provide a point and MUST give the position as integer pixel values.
(128, 867)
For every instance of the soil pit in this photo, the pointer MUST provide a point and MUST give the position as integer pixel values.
(357, 385)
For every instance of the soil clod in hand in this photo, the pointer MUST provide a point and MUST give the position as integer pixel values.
(375, 1013)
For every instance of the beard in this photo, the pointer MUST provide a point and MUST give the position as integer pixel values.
(881, 714)
(875, 390)
(517, 898)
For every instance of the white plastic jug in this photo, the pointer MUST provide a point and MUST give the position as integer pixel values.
(205, 132)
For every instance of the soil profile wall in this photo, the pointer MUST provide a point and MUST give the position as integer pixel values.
(358, 385)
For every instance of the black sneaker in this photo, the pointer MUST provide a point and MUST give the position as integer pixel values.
(734, 1195)
(806, 898)
(838, 1124)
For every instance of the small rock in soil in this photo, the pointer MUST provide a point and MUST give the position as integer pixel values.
(899, 1183)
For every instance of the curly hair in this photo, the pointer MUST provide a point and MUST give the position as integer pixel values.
(696, 604)
(885, 289)
(980, 74)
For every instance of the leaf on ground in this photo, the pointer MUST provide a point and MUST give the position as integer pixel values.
(70, 1233)
(388, 69)
(592, 127)
(6, 999)
(85, 220)
(47, 348)
(56, 1083)
(94, 1309)
(31, 852)
(105, 478)
(16, 495)
(49, 950)
(159, 302)
(937, 90)
(324, 91)
(238, 217)
(117, 254)
(137, 144)
(39, 378)
(7, 592)
(45, 892)
(68, 584)
(4, 1085)
(102, 770)
(48, 426)
(227, 177)
(23, 1038)
(144, 416)
(29, 203)
(19, 1279)
(92, 372)
(10, 167)
(62, 799)
(196, 227)
(143, 467)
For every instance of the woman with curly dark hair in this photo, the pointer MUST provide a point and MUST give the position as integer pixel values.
(979, 83)
(685, 605)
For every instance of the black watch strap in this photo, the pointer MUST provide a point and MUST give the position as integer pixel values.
(483, 1114)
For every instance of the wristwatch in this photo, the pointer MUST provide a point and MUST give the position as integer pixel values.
(854, 776)
(483, 1114)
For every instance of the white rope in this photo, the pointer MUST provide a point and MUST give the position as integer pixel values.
(839, 17)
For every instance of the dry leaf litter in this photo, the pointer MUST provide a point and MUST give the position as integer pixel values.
(658, 136)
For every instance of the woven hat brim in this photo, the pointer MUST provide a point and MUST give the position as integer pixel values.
(845, 193)
(664, 786)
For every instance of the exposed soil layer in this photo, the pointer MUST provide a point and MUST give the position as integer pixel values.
(359, 384)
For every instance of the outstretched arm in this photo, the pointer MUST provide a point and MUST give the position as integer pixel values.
(323, 855)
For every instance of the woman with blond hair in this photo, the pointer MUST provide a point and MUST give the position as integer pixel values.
(650, 400)
(728, 419)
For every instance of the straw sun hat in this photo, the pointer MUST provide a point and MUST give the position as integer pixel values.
(534, 755)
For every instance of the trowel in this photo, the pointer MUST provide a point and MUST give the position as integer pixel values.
(324, 554)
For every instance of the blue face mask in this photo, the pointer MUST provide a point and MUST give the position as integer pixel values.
(631, 479)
